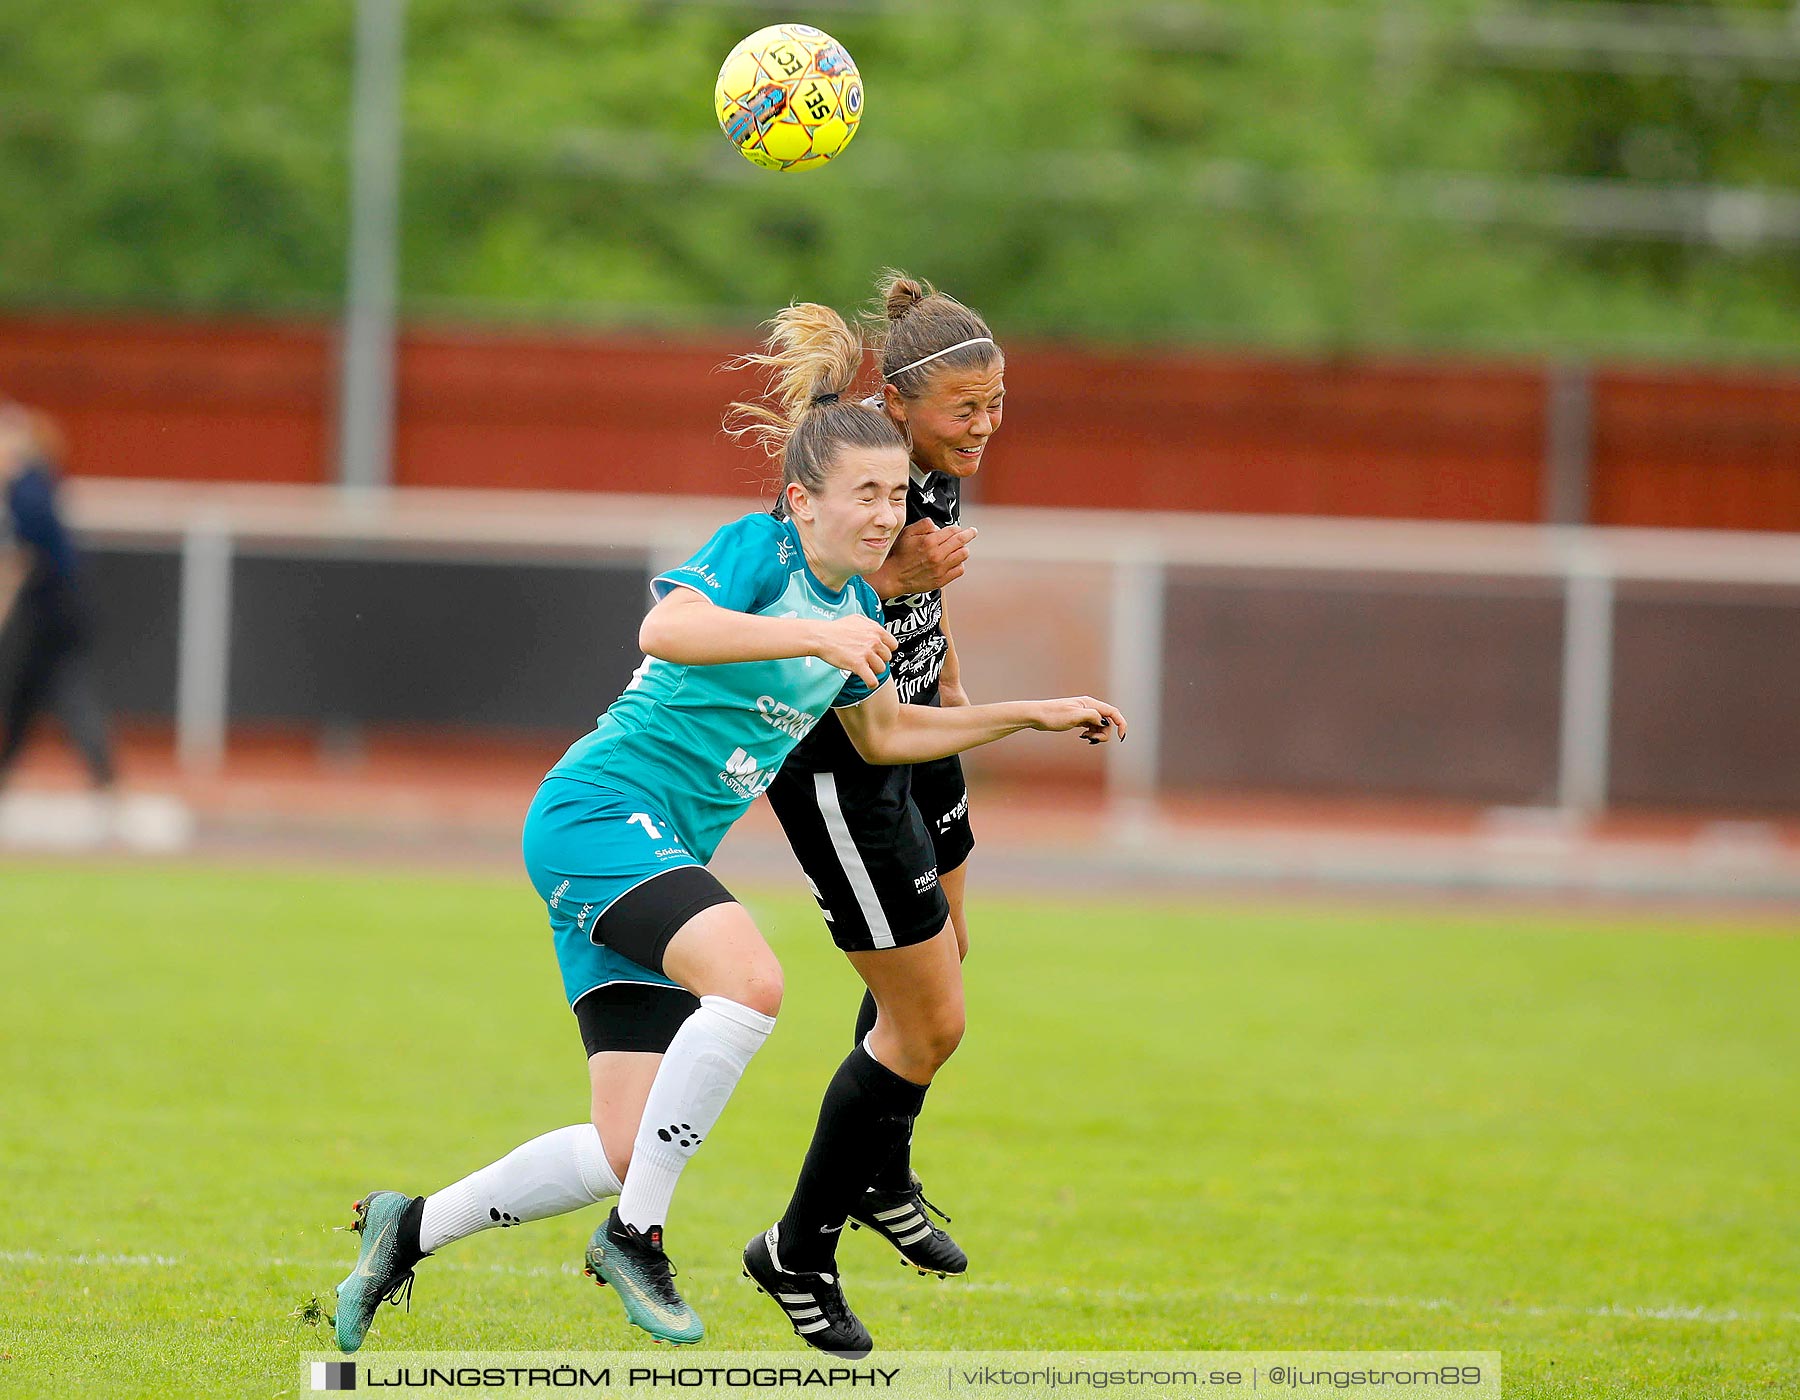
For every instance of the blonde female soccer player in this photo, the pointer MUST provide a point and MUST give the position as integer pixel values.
(750, 644)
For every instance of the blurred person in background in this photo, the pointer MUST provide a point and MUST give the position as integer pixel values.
(43, 646)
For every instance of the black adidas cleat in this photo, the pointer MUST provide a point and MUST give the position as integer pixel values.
(899, 1218)
(814, 1303)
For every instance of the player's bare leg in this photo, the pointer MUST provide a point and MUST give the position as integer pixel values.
(896, 1194)
(919, 1023)
(866, 1116)
(919, 1004)
(719, 956)
(953, 883)
(620, 1081)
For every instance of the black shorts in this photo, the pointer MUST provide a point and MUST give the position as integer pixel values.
(640, 1016)
(640, 922)
(644, 1016)
(873, 842)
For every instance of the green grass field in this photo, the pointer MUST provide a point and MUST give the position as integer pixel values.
(1571, 1139)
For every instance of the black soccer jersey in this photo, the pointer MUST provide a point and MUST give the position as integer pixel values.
(915, 619)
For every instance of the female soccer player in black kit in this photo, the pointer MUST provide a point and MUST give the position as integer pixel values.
(885, 849)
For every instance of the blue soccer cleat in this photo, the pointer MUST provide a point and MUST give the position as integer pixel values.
(384, 1265)
(634, 1264)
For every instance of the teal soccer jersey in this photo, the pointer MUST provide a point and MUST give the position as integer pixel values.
(701, 742)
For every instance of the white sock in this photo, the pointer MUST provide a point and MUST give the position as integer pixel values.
(699, 1070)
(550, 1175)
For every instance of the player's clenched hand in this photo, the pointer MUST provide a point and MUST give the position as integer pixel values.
(858, 645)
(925, 558)
(1097, 720)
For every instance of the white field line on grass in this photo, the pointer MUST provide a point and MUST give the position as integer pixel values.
(1666, 1313)
(1678, 1312)
(1674, 1312)
(31, 1256)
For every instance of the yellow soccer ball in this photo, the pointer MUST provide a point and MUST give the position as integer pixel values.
(789, 97)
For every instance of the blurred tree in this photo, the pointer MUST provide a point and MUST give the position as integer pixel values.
(182, 153)
(1287, 172)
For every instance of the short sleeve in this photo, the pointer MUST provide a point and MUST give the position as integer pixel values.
(869, 600)
(855, 690)
(739, 568)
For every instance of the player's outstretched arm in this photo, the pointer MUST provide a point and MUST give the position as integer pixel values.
(690, 630)
(885, 731)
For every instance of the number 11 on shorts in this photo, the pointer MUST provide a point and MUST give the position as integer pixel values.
(651, 829)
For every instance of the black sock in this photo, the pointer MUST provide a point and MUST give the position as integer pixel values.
(406, 1235)
(867, 1114)
(895, 1174)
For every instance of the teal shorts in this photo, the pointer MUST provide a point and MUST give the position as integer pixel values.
(585, 848)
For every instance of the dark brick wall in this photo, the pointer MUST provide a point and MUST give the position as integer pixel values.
(1318, 683)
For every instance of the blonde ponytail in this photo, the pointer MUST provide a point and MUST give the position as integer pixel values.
(812, 357)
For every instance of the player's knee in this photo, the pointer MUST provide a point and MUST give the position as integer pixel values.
(757, 984)
(935, 1038)
(764, 995)
(950, 1033)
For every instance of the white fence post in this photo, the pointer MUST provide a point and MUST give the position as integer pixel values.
(366, 367)
(1586, 684)
(203, 660)
(1135, 675)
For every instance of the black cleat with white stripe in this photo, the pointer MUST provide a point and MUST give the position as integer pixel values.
(814, 1303)
(899, 1218)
